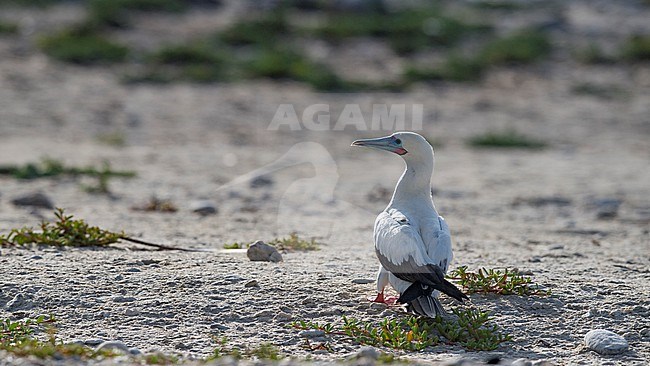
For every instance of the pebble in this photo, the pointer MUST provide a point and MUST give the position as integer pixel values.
(35, 257)
(261, 181)
(260, 251)
(311, 333)
(135, 351)
(367, 352)
(133, 270)
(362, 281)
(605, 342)
(203, 207)
(131, 312)
(18, 302)
(37, 199)
(123, 299)
(252, 283)
(93, 342)
(113, 345)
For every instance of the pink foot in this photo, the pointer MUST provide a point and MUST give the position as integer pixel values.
(389, 300)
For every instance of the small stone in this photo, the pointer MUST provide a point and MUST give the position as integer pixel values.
(606, 208)
(261, 181)
(36, 257)
(605, 342)
(118, 278)
(123, 299)
(521, 362)
(113, 345)
(93, 342)
(37, 199)
(131, 312)
(368, 352)
(133, 270)
(260, 251)
(252, 283)
(18, 302)
(311, 333)
(203, 207)
(135, 351)
(362, 281)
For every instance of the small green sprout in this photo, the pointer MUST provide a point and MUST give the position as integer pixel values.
(506, 282)
(234, 245)
(295, 243)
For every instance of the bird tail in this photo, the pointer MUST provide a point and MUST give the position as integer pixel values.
(427, 306)
(418, 289)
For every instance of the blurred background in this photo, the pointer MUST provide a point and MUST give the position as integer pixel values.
(517, 96)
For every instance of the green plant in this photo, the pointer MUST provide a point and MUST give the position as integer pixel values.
(82, 45)
(17, 337)
(8, 28)
(469, 327)
(294, 242)
(593, 54)
(407, 30)
(521, 47)
(637, 48)
(506, 282)
(115, 13)
(64, 232)
(261, 31)
(607, 92)
(52, 168)
(506, 139)
(471, 330)
(234, 245)
(115, 138)
(263, 351)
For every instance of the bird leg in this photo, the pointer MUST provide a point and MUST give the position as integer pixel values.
(388, 300)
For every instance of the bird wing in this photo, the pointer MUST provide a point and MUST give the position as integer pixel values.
(437, 239)
(400, 249)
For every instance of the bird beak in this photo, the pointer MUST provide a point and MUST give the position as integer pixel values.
(387, 143)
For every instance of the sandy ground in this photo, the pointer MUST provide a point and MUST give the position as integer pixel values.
(186, 142)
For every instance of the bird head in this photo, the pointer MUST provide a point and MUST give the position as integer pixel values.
(405, 144)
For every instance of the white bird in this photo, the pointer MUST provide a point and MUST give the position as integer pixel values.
(412, 241)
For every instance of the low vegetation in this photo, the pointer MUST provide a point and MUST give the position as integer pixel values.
(502, 282)
(84, 46)
(295, 243)
(509, 138)
(18, 338)
(156, 204)
(522, 47)
(469, 328)
(263, 351)
(8, 28)
(65, 231)
(115, 13)
(637, 48)
(49, 168)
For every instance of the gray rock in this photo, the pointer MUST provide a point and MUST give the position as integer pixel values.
(37, 199)
(260, 251)
(368, 353)
(203, 207)
(36, 257)
(133, 270)
(521, 362)
(311, 333)
(261, 181)
(135, 351)
(362, 281)
(131, 312)
(93, 342)
(606, 208)
(114, 346)
(123, 299)
(252, 283)
(605, 342)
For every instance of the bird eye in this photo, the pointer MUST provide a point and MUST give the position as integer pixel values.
(398, 141)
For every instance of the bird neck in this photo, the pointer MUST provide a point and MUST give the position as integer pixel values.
(415, 182)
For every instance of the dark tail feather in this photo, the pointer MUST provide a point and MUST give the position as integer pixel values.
(417, 290)
(426, 306)
(450, 289)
